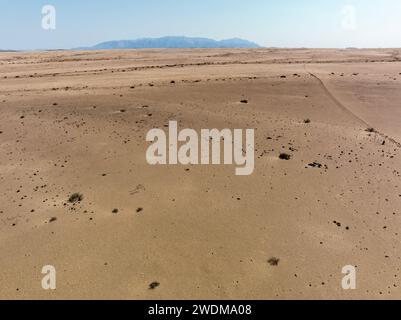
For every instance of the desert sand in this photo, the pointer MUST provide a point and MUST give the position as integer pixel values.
(75, 122)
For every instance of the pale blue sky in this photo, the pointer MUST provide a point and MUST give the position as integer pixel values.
(279, 23)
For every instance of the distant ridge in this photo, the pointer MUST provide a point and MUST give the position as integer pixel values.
(173, 43)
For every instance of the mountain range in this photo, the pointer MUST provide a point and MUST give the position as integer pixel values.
(173, 43)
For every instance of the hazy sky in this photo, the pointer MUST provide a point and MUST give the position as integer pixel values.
(279, 23)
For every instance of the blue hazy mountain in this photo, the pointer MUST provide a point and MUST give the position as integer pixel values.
(173, 43)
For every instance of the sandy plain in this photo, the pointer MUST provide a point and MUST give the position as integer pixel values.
(74, 121)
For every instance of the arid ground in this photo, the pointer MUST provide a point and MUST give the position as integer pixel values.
(75, 122)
